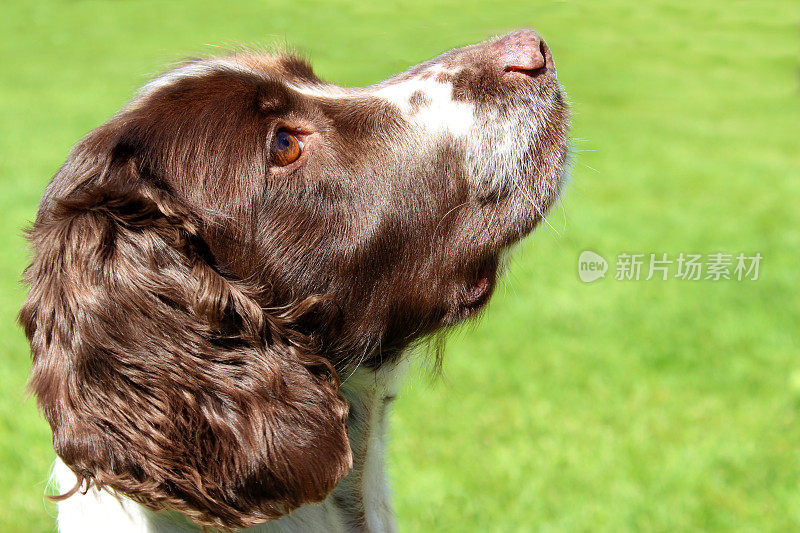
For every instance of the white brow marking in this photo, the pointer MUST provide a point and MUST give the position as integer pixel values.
(193, 70)
(327, 90)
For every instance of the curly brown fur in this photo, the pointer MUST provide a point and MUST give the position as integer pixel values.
(165, 380)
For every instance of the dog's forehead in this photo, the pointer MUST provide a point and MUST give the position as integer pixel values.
(285, 67)
(422, 95)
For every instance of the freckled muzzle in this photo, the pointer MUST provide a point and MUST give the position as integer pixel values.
(500, 101)
(516, 147)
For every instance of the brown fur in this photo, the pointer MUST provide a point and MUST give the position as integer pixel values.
(191, 304)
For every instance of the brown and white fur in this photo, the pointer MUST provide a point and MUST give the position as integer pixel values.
(360, 502)
(228, 274)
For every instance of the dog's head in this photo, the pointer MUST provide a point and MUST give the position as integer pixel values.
(207, 260)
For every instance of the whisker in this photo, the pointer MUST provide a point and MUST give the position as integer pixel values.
(535, 206)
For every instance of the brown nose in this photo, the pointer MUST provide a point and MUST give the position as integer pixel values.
(523, 51)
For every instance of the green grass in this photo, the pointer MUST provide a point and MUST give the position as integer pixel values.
(615, 406)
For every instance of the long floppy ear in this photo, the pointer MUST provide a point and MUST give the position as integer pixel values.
(162, 378)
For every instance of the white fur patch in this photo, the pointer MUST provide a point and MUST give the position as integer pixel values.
(96, 511)
(440, 113)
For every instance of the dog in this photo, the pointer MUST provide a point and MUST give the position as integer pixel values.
(227, 274)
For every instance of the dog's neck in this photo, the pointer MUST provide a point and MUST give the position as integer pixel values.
(360, 503)
(363, 496)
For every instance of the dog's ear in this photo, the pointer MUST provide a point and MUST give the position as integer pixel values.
(161, 377)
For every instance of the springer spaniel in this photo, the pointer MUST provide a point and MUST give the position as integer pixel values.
(227, 273)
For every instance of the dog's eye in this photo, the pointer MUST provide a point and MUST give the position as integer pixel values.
(286, 148)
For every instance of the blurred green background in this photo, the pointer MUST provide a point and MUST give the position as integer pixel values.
(612, 406)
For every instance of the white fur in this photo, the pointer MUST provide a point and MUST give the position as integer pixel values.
(442, 114)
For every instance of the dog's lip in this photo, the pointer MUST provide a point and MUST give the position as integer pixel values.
(479, 289)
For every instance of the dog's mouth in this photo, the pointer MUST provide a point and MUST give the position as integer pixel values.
(479, 287)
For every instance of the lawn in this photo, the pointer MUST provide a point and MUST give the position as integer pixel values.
(611, 406)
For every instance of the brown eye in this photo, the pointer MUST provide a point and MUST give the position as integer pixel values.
(286, 148)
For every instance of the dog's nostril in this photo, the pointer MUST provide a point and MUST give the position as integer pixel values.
(523, 51)
(545, 51)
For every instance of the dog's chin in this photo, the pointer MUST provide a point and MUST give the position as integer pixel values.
(517, 215)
